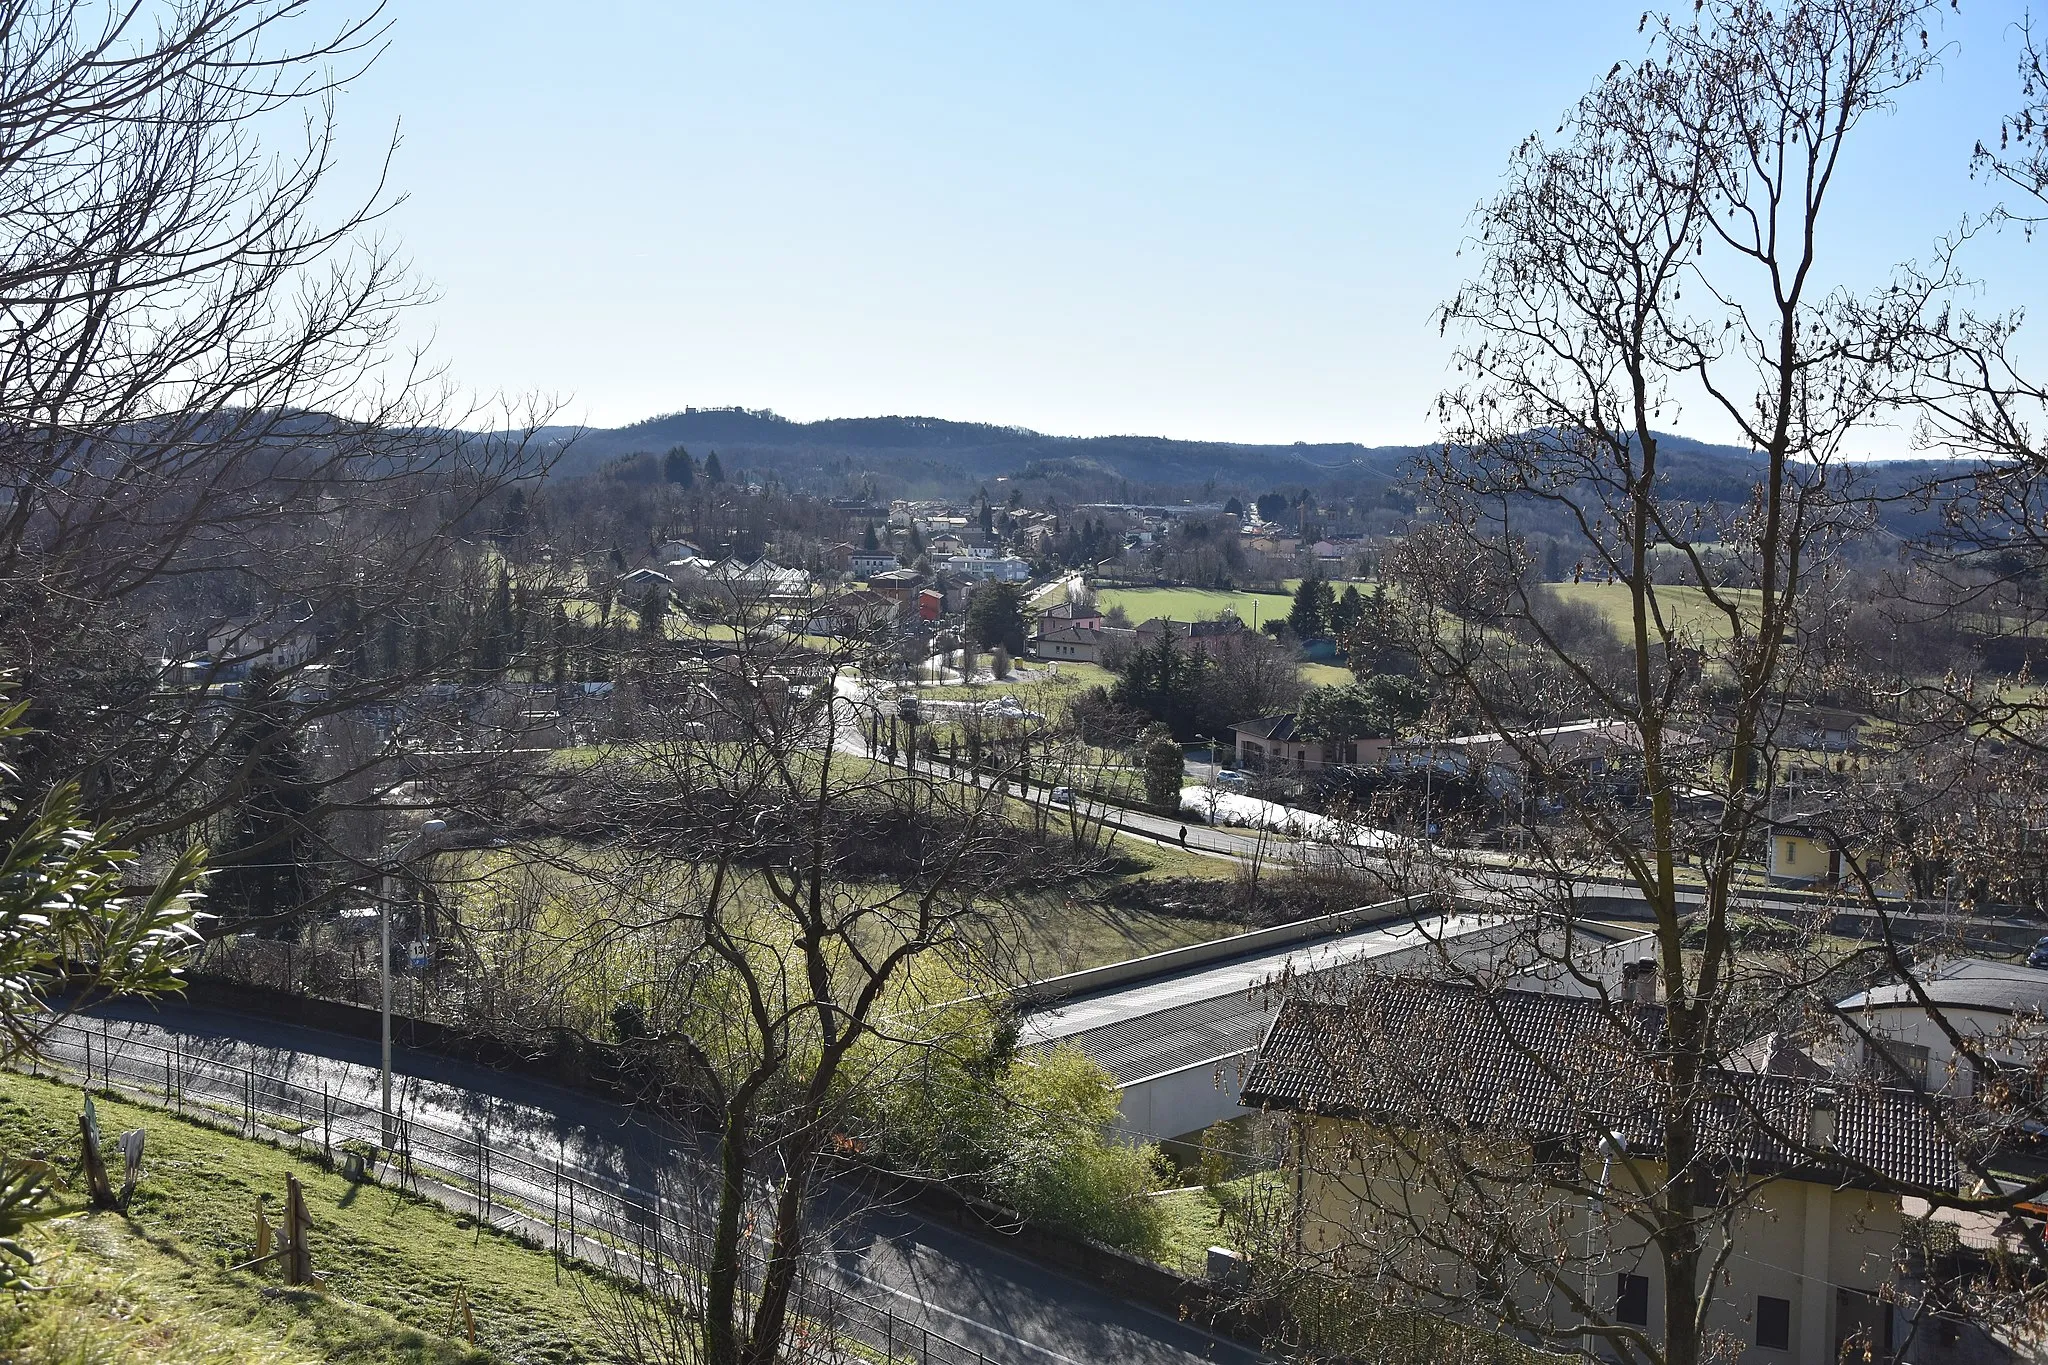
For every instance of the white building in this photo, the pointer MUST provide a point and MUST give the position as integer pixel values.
(1000, 568)
(1999, 1008)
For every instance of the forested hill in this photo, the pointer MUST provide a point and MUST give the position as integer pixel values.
(928, 456)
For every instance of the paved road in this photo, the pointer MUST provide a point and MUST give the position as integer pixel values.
(1491, 877)
(964, 1287)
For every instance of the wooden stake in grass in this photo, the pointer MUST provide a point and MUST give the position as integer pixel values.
(298, 1224)
(99, 1190)
(293, 1245)
(460, 1310)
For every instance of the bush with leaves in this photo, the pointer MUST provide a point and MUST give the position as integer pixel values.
(72, 929)
(1031, 1133)
(1059, 1160)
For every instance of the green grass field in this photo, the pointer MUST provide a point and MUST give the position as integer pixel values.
(153, 1286)
(1688, 608)
(1203, 604)
(1194, 604)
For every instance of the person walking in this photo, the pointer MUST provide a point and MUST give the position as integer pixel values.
(1183, 836)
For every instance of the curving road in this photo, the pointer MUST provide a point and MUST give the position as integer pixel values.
(964, 1287)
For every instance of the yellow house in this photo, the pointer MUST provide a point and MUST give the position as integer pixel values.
(1496, 1156)
(1800, 856)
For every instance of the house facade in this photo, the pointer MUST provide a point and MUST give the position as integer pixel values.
(2000, 1009)
(1273, 744)
(1069, 614)
(1000, 568)
(1079, 643)
(898, 585)
(1401, 1087)
(237, 646)
(866, 563)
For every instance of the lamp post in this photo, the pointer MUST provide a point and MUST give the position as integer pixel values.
(428, 830)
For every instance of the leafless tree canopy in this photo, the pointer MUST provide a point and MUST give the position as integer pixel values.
(1658, 259)
(207, 433)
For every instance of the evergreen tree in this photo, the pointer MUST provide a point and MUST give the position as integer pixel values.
(518, 516)
(869, 541)
(1312, 609)
(653, 612)
(1377, 707)
(1345, 615)
(1165, 765)
(1173, 686)
(995, 616)
(1375, 644)
(679, 469)
(265, 867)
(494, 632)
(714, 472)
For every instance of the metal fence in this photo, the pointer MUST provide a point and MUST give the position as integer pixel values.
(573, 1210)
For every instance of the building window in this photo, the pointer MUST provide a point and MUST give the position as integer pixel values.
(1910, 1058)
(1632, 1300)
(1774, 1322)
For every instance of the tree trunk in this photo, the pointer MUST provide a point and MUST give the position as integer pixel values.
(778, 1281)
(722, 1278)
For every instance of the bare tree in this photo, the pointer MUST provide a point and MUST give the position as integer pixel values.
(766, 917)
(1662, 254)
(210, 438)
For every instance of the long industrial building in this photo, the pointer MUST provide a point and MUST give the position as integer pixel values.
(1177, 1031)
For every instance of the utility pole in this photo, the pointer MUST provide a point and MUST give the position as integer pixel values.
(418, 843)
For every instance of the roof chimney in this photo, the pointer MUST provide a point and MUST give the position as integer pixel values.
(1628, 981)
(1646, 980)
(1820, 1118)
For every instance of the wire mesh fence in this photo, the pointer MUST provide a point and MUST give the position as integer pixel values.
(571, 1209)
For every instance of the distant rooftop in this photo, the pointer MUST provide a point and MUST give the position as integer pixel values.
(1216, 1011)
(1966, 983)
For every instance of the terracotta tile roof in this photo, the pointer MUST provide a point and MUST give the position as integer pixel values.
(1556, 1066)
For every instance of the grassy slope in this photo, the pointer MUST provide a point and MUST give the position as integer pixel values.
(153, 1286)
(1688, 608)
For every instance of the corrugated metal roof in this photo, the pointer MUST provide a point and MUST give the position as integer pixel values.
(1221, 1009)
(1169, 1040)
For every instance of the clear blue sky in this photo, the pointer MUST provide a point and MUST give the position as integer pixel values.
(1214, 220)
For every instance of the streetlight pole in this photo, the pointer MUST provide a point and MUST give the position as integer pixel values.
(428, 829)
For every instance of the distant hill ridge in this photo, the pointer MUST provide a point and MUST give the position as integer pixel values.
(893, 444)
(916, 455)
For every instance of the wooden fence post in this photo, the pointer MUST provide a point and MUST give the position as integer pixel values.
(299, 1259)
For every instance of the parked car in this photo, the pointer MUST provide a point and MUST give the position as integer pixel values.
(2039, 957)
(1062, 796)
(1231, 777)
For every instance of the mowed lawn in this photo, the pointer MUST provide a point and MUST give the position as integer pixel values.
(1204, 604)
(1688, 608)
(1194, 604)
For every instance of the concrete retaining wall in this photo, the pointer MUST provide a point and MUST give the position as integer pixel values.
(1217, 950)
